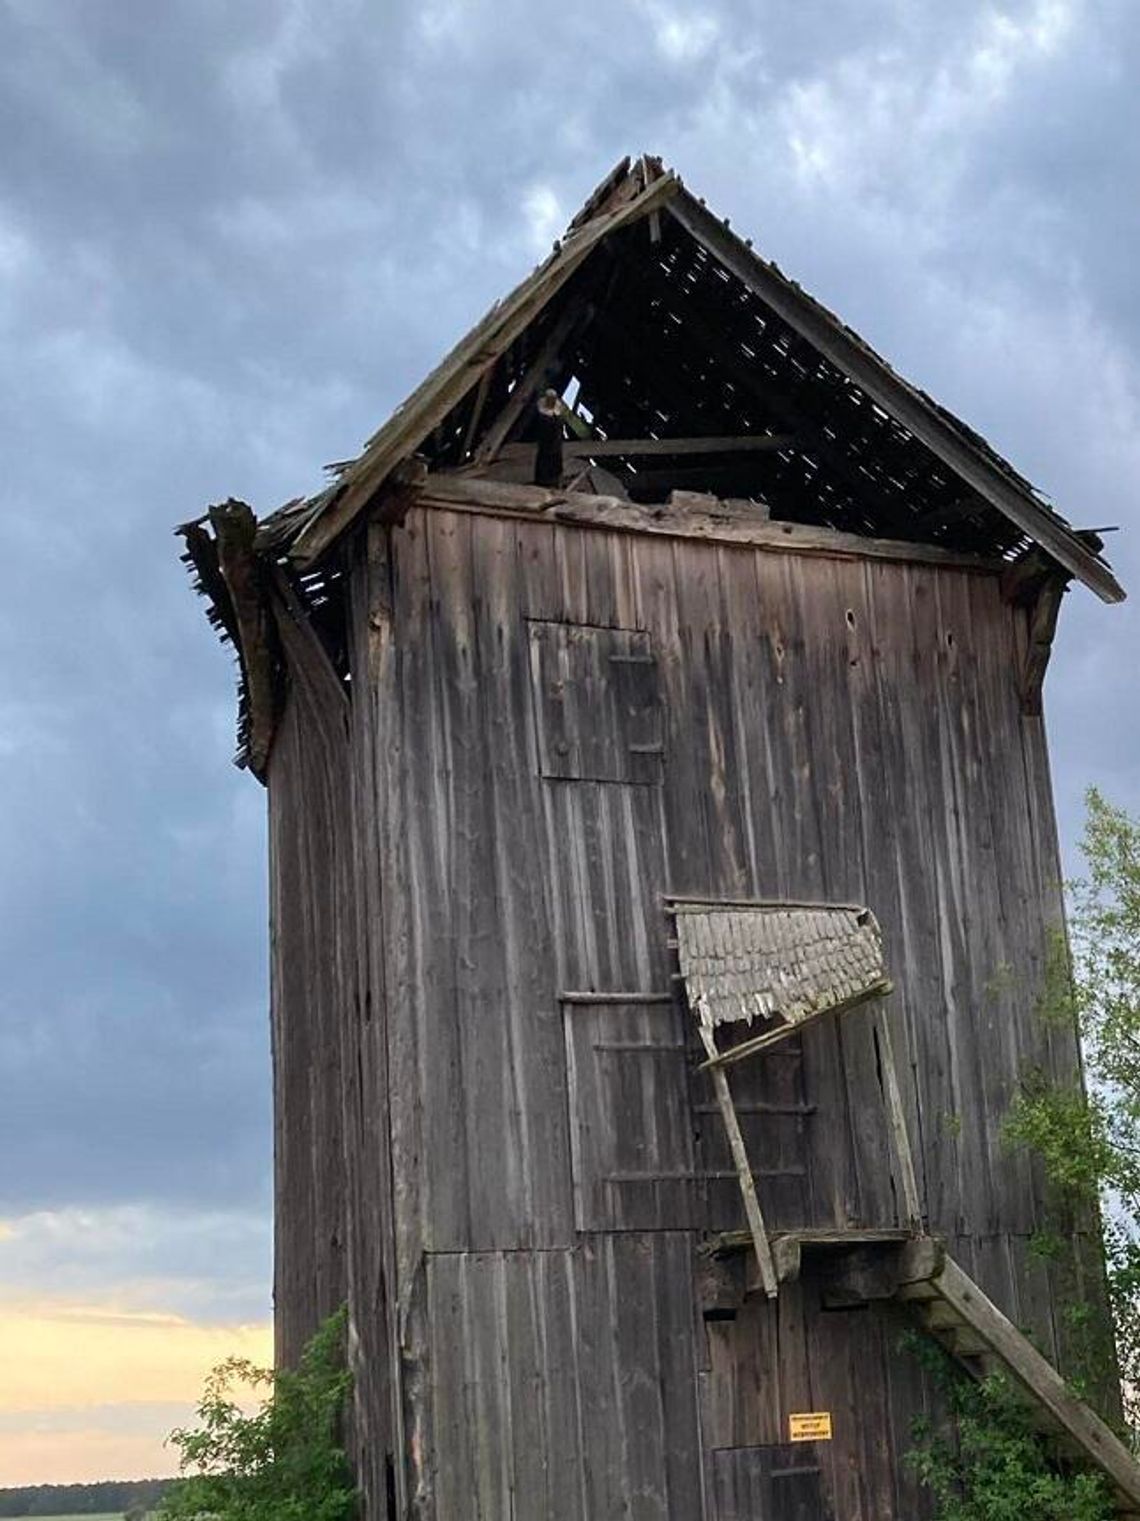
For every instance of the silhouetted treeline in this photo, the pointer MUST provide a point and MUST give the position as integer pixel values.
(111, 1497)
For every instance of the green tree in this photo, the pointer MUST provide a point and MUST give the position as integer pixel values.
(285, 1461)
(1089, 1136)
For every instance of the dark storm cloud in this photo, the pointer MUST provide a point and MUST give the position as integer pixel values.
(233, 236)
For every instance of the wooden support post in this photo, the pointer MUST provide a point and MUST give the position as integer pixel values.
(912, 1206)
(548, 460)
(477, 411)
(1042, 628)
(756, 1225)
(533, 379)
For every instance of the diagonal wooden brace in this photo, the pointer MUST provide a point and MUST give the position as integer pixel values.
(756, 1226)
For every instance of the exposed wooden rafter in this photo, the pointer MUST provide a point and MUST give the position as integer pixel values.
(701, 335)
(577, 315)
(463, 368)
(894, 395)
(812, 440)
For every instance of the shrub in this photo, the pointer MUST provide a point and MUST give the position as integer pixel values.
(284, 1462)
(994, 1466)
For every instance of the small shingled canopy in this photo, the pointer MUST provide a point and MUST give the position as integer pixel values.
(782, 964)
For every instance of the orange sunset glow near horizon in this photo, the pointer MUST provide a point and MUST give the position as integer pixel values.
(91, 1391)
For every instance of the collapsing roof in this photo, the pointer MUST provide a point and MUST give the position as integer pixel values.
(658, 324)
(653, 358)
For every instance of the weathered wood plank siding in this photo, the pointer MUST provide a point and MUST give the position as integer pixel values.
(538, 1170)
(332, 1189)
(308, 833)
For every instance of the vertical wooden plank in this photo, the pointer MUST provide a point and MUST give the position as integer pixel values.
(833, 1186)
(913, 661)
(605, 1435)
(517, 943)
(560, 1390)
(830, 1337)
(488, 1377)
(429, 1127)
(908, 1185)
(1006, 992)
(312, 991)
(876, 1457)
(570, 556)
(979, 919)
(688, 867)
(374, 1340)
(450, 1464)
(863, 768)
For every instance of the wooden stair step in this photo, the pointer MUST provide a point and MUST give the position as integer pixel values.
(965, 1343)
(938, 1316)
(951, 1306)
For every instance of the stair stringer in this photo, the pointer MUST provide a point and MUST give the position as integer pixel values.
(951, 1307)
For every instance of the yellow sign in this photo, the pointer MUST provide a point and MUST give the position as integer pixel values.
(813, 1427)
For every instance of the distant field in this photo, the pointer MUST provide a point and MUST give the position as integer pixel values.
(87, 1515)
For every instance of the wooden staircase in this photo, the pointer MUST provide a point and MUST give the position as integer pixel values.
(901, 1263)
(860, 1266)
(949, 1305)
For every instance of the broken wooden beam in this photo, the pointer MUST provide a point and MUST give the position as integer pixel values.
(1042, 630)
(757, 1230)
(235, 529)
(900, 1136)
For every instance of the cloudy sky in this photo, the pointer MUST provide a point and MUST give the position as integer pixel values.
(232, 236)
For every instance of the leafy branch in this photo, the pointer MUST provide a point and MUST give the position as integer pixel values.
(285, 1461)
(991, 1465)
(1089, 1137)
